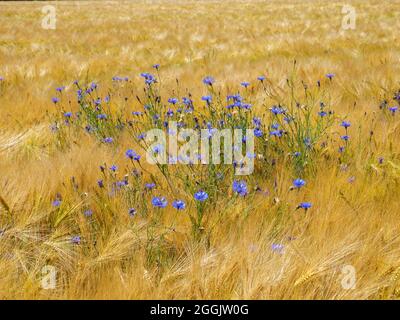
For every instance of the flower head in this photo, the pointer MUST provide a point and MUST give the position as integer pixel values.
(258, 132)
(159, 202)
(330, 76)
(132, 155)
(179, 204)
(322, 114)
(277, 247)
(393, 109)
(208, 81)
(56, 203)
(345, 138)
(201, 195)
(277, 110)
(298, 183)
(150, 186)
(207, 99)
(276, 133)
(173, 100)
(261, 78)
(76, 239)
(149, 79)
(345, 124)
(55, 100)
(304, 205)
(239, 187)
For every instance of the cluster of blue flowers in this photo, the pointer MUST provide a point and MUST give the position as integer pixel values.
(292, 128)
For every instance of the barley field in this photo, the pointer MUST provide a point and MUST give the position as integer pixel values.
(83, 215)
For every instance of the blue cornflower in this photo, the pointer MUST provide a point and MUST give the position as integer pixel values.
(150, 186)
(240, 187)
(113, 168)
(275, 126)
(158, 148)
(156, 66)
(277, 110)
(322, 114)
(102, 116)
(173, 100)
(132, 155)
(208, 81)
(56, 203)
(276, 133)
(258, 132)
(330, 76)
(277, 247)
(201, 195)
(55, 100)
(68, 114)
(132, 212)
(76, 239)
(100, 183)
(179, 204)
(159, 202)
(288, 119)
(122, 183)
(88, 213)
(97, 101)
(170, 113)
(245, 84)
(345, 124)
(235, 97)
(250, 155)
(60, 89)
(208, 99)
(261, 78)
(298, 183)
(137, 113)
(187, 101)
(148, 78)
(345, 138)
(108, 140)
(393, 109)
(304, 205)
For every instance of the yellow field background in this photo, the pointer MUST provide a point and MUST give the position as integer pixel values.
(355, 219)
